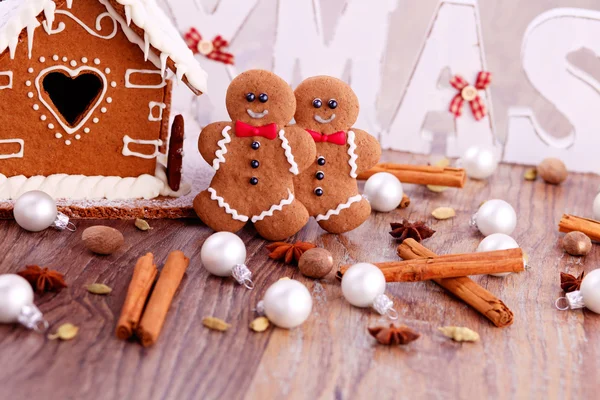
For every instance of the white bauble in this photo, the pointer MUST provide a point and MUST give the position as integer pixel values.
(479, 163)
(597, 207)
(221, 252)
(384, 191)
(495, 216)
(362, 283)
(590, 291)
(35, 210)
(497, 241)
(15, 293)
(287, 303)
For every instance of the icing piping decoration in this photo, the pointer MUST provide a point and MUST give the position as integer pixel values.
(61, 25)
(161, 106)
(223, 204)
(275, 207)
(339, 208)
(288, 153)
(18, 154)
(126, 152)
(24, 16)
(353, 155)
(219, 154)
(130, 85)
(10, 79)
(72, 73)
(92, 187)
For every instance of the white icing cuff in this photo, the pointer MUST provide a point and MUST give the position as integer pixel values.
(339, 208)
(219, 154)
(352, 154)
(277, 207)
(288, 153)
(223, 204)
(244, 218)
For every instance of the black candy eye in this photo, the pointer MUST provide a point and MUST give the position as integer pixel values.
(317, 103)
(263, 97)
(250, 97)
(332, 103)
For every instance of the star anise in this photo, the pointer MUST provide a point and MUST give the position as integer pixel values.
(394, 335)
(414, 230)
(43, 279)
(288, 252)
(569, 283)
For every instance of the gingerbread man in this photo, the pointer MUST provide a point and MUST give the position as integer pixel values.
(327, 108)
(256, 157)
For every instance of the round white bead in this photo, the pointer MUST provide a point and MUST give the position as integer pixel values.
(479, 163)
(361, 283)
(287, 303)
(221, 252)
(384, 191)
(35, 210)
(496, 216)
(15, 293)
(590, 291)
(497, 241)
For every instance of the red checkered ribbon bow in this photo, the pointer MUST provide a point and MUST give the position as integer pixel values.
(470, 93)
(212, 50)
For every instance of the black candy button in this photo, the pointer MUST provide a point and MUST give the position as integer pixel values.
(320, 175)
(250, 97)
(263, 97)
(317, 103)
(254, 163)
(321, 161)
(255, 145)
(332, 103)
(254, 180)
(319, 191)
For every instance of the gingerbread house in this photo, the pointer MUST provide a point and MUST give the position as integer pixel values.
(85, 94)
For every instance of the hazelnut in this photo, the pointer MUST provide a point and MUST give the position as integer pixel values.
(553, 171)
(315, 263)
(102, 239)
(577, 243)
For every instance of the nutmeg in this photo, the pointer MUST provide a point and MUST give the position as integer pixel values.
(553, 171)
(315, 263)
(102, 239)
(577, 243)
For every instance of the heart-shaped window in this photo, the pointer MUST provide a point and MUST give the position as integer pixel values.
(72, 97)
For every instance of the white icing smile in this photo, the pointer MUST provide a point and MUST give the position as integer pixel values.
(256, 115)
(321, 120)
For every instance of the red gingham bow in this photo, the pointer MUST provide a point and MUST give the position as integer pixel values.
(469, 93)
(212, 50)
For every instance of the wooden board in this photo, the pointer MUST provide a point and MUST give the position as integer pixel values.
(545, 354)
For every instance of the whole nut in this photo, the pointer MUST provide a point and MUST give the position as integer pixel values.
(577, 243)
(315, 263)
(553, 171)
(102, 239)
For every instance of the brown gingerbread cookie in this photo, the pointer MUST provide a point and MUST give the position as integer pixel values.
(327, 108)
(256, 157)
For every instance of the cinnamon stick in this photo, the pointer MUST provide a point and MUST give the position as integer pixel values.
(162, 296)
(144, 274)
(451, 266)
(464, 288)
(569, 223)
(420, 174)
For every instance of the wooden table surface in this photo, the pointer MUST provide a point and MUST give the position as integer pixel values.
(546, 353)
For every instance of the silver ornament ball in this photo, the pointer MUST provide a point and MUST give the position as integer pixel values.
(590, 291)
(362, 283)
(497, 241)
(15, 293)
(479, 162)
(221, 252)
(383, 191)
(495, 216)
(287, 303)
(35, 211)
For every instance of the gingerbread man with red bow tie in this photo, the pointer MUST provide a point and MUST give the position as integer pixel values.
(327, 108)
(255, 157)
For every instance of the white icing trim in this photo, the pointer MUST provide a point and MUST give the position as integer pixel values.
(339, 208)
(10, 79)
(73, 73)
(352, 154)
(223, 204)
(130, 85)
(126, 152)
(276, 207)
(24, 16)
(61, 25)
(161, 106)
(219, 154)
(92, 187)
(288, 153)
(18, 154)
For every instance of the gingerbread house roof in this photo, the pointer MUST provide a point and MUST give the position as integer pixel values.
(142, 21)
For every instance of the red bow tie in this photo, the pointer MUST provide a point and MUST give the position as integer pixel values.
(243, 129)
(335, 138)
